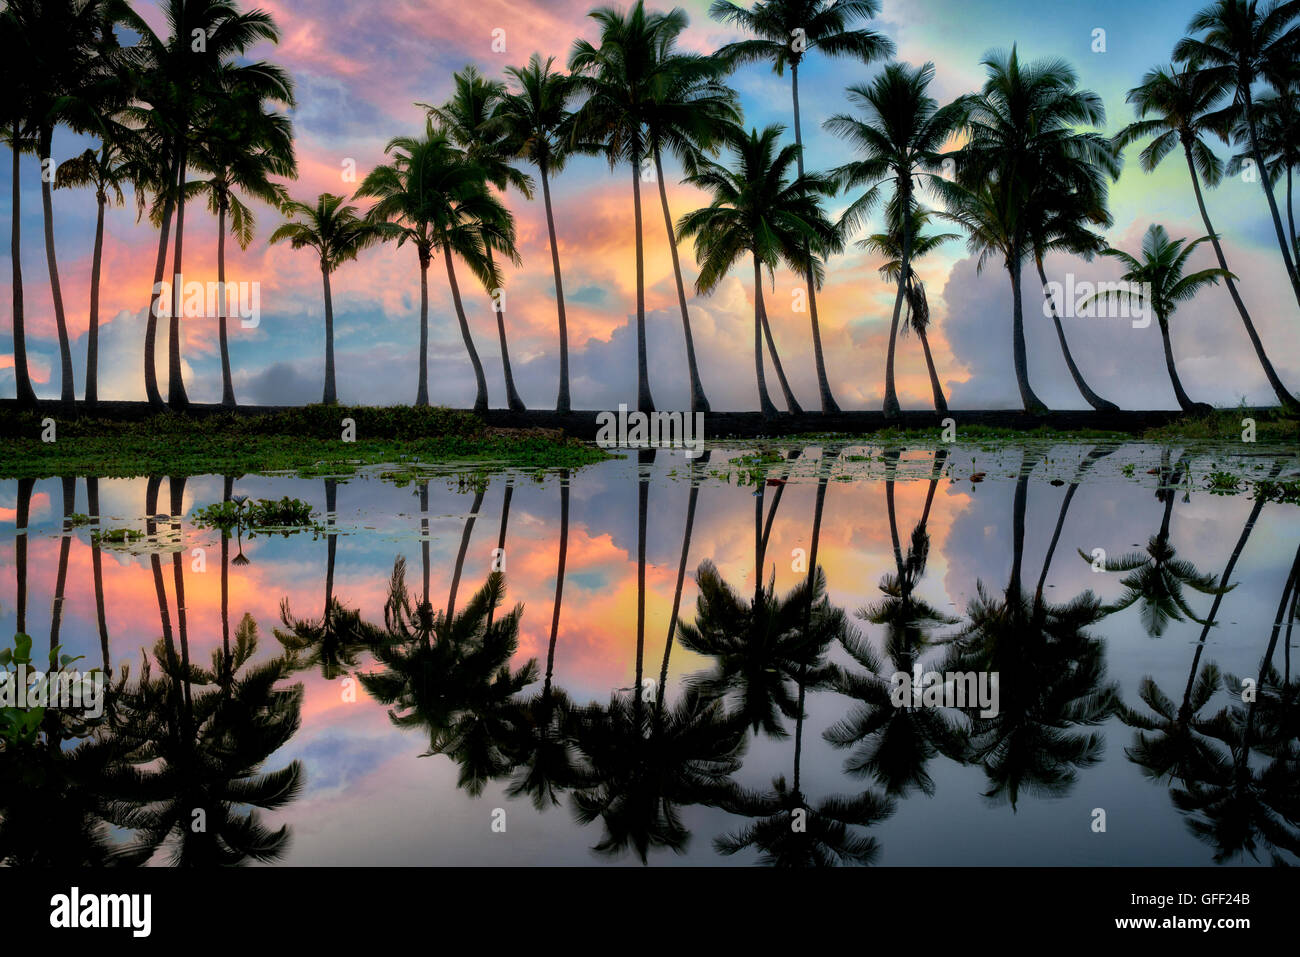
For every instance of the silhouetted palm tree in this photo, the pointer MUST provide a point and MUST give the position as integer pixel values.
(1176, 107)
(784, 32)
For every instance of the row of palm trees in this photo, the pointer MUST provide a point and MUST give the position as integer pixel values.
(1030, 177)
(634, 763)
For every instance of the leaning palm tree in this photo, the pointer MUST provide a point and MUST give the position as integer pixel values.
(1161, 270)
(1024, 138)
(535, 121)
(784, 31)
(689, 108)
(337, 234)
(466, 118)
(198, 64)
(619, 78)
(438, 200)
(1176, 107)
(1279, 140)
(757, 209)
(116, 164)
(917, 316)
(897, 139)
(1238, 40)
(239, 148)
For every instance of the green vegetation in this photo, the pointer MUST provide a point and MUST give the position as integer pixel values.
(309, 441)
(116, 536)
(262, 513)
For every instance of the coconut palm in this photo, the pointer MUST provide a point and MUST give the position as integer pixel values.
(690, 105)
(239, 148)
(535, 120)
(438, 200)
(337, 234)
(18, 73)
(1237, 41)
(1158, 578)
(620, 78)
(1176, 107)
(784, 32)
(897, 139)
(1279, 140)
(917, 316)
(757, 209)
(180, 79)
(466, 117)
(1024, 138)
(1162, 267)
(116, 164)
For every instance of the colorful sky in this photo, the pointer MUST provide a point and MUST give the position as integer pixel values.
(359, 69)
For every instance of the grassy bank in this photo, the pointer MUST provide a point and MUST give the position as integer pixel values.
(312, 441)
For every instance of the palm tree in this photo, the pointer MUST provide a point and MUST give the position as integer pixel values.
(18, 75)
(436, 199)
(757, 209)
(535, 121)
(620, 78)
(240, 146)
(116, 164)
(1161, 266)
(898, 140)
(1278, 139)
(784, 32)
(1157, 578)
(180, 81)
(1023, 139)
(466, 118)
(1175, 107)
(1239, 40)
(337, 234)
(690, 106)
(917, 317)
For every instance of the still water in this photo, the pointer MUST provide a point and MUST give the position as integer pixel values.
(654, 684)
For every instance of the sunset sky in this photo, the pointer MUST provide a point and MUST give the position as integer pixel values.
(359, 69)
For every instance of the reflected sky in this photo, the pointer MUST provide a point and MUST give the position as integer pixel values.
(371, 795)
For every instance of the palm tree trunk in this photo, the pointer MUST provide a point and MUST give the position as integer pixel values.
(791, 403)
(513, 402)
(699, 402)
(677, 593)
(823, 385)
(562, 403)
(1184, 712)
(940, 403)
(178, 576)
(559, 582)
(67, 392)
(460, 555)
(1258, 154)
(425, 604)
(21, 518)
(1290, 212)
(422, 389)
(176, 397)
(228, 488)
(1092, 398)
(1184, 402)
(644, 401)
(1018, 528)
(155, 562)
(501, 534)
(643, 500)
(65, 544)
(92, 336)
(891, 406)
(481, 397)
(96, 561)
(151, 321)
(331, 547)
(22, 378)
(1030, 401)
(330, 396)
(764, 402)
(1279, 389)
(227, 387)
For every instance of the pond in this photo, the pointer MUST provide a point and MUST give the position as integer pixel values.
(654, 684)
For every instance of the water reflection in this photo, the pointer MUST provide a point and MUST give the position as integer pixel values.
(535, 717)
